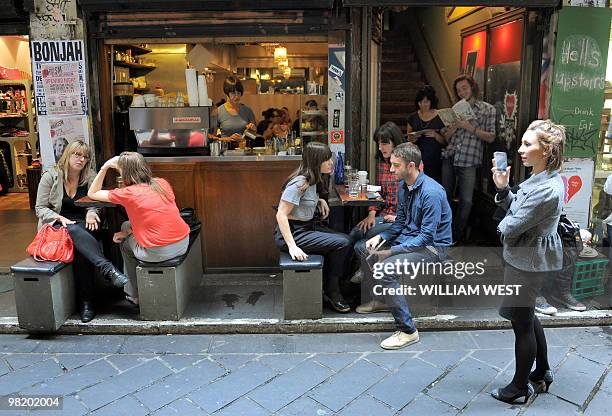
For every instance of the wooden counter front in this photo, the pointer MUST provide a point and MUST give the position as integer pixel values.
(234, 201)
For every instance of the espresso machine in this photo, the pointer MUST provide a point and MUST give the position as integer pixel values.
(125, 140)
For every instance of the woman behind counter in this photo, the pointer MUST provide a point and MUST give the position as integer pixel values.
(58, 189)
(233, 117)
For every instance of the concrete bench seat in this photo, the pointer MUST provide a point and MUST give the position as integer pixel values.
(44, 294)
(164, 288)
(302, 287)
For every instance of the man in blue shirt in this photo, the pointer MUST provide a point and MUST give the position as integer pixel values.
(421, 233)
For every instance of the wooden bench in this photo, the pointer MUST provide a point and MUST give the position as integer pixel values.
(302, 287)
(164, 288)
(44, 294)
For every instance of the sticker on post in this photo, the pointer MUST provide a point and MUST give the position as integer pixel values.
(339, 95)
(336, 137)
(335, 70)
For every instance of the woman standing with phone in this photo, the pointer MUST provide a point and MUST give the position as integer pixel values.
(531, 249)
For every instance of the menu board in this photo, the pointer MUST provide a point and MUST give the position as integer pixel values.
(580, 76)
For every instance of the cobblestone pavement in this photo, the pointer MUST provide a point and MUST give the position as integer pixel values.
(447, 373)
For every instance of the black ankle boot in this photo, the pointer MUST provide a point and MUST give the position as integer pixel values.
(87, 311)
(116, 277)
(337, 303)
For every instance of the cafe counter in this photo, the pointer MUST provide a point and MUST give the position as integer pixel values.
(234, 198)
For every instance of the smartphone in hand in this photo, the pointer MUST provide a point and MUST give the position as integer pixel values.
(501, 161)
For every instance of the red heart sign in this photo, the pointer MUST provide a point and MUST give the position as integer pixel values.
(574, 184)
(510, 103)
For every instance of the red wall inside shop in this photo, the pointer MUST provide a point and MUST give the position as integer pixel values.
(506, 41)
(475, 42)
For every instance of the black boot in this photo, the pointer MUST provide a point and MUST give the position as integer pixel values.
(87, 311)
(563, 283)
(116, 277)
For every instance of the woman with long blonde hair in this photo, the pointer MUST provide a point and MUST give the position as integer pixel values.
(58, 189)
(155, 231)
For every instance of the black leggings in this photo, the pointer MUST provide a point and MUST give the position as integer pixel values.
(87, 256)
(529, 345)
(313, 239)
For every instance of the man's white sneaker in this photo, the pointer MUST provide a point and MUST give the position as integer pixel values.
(399, 340)
(372, 306)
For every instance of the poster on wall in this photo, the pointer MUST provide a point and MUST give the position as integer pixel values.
(336, 81)
(470, 63)
(58, 68)
(59, 77)
(579, 77)
(577, 175)
(61, 132)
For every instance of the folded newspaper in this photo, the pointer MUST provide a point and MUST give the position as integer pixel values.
(419, 133)
(460, 111)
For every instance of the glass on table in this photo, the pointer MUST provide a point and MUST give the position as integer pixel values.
(353, 186)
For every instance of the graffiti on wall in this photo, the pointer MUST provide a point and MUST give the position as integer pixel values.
(55, 19)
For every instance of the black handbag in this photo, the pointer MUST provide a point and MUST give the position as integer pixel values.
(569, 232)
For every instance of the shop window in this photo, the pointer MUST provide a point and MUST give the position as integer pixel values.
(503, 78)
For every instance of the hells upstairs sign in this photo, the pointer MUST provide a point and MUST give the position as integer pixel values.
(59, 77)
(579, 76)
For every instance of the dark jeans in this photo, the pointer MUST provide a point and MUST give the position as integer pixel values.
(465, 180)
(379, 226)
(396, 303)
(313, 239)
(87, 256)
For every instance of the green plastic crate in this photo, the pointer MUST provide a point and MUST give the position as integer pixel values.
(588, 280)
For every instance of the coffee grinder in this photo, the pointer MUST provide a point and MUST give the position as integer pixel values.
(125, 139)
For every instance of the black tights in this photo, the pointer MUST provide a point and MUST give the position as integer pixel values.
(529, 345)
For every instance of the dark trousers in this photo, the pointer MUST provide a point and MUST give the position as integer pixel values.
(465, 180)
(398, 304)
(314, 239)
(87, 257)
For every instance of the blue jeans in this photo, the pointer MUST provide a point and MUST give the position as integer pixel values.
(465, 180)
(396, 303)
(379, 226)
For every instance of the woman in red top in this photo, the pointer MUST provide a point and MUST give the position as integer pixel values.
(155, 231)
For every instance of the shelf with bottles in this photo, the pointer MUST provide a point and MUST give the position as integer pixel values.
(18, 129)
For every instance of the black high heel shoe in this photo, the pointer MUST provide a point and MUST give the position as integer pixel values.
(502, 395)
(542, 384)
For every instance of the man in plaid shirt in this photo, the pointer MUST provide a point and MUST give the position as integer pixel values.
(465, 151)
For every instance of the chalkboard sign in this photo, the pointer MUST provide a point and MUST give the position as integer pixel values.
(579, 79)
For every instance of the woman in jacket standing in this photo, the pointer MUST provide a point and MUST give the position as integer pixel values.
(59, 187)
(531, 249)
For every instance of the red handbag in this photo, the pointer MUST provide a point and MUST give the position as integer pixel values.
(52, 244)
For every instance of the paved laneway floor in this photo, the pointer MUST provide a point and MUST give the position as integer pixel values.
(447, 373)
